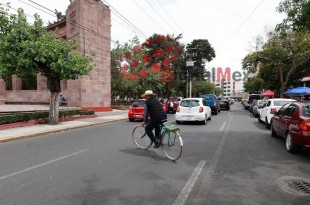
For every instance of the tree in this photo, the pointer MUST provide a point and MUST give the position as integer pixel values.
(151, 64)
(30, 49)
(298, 15)
(200, 51)
(283, 60)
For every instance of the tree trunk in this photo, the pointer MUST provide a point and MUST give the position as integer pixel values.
(55, 89)
(53, 117)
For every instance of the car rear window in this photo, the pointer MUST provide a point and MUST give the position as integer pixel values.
(138, 104)
(209, 97)
(189, 103)
(280, 103)
(306, 109)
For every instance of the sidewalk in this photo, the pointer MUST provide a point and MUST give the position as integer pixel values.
(34, 130)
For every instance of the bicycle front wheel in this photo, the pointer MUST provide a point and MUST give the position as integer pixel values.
(172, 145)
(140, 138)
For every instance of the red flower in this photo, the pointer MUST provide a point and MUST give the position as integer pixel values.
(133, 76)
(160, 38)
(166, 61)
(125, 75)
(168, 49)
(134, 63)
(125, 67)
(148, 42)
(137, 49)
(158, 52)
(166, 74)
(155, 67)
(128, 55)
(146, 58)
(143, 73)
(173, 57)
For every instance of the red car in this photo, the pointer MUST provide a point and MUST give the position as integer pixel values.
(136, 110)
(292, 122)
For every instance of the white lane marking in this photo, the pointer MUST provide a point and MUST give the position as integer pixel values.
(222, 127)
(189, 185)
(40, 165)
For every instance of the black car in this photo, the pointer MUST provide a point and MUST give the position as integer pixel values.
(224, 104)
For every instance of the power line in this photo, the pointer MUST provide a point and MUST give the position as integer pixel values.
(149, 15)
(126, 20)
(159, 15)
(235, 31)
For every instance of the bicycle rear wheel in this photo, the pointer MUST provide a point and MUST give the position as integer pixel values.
(172, 144)
(140, 138)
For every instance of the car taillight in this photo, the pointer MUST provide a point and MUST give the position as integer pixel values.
(214, 102)
(273, 110)
(201, 109)
(178, 109)
(305, 125)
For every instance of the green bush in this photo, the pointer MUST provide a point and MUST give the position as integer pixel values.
(42, 115)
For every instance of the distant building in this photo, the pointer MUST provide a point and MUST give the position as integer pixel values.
(89, 23)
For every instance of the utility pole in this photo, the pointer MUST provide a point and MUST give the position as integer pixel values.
(190, 63)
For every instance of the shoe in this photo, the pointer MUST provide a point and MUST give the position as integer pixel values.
(157, 144)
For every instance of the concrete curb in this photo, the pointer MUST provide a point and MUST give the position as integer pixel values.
(37, 133)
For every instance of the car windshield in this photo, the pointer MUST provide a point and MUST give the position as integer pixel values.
(138, 104)
(210, 97)
(306, 109)
(190, 103)
(280, 103)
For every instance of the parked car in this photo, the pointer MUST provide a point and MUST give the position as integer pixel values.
(250, 99)
(213, 101)
(136, 110)
(259, 105)
(224, 103)
(194, 110)
(272, 106)
(292, 122)
(172, 104)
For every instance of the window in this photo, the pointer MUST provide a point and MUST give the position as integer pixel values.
(306, 109)
(282, 109)
(290, 110)
(280, 103)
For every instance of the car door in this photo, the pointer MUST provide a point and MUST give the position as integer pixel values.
(265, 110)
(276, 119)
(286, 118)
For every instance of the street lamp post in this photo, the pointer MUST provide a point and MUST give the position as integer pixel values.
(189, 63)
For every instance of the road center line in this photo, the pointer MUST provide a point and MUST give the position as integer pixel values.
(190, 184)
(40, 165)
(222, 127)
(202, 194)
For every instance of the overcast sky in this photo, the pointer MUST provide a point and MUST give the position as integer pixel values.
(229, 25)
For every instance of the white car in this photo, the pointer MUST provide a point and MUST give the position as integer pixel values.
(193, 110)
(272, 106)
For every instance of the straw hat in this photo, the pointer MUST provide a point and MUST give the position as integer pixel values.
(147, 92)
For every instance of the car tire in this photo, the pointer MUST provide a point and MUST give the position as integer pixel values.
(259, 120)
(131, 119)
(215, 112)
(273, 133)
(204, 122)
(178, 122)
(290, 146)
(209, 118)
(267, 124)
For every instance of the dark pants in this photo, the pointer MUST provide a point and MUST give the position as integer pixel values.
(151, 124)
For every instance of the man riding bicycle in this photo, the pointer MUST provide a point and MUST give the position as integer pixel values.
(153, 109)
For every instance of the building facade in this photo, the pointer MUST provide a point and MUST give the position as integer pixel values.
(89, 23)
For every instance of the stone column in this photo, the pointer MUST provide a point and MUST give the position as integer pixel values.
(41, 82)
(16, 83)
(2, 91)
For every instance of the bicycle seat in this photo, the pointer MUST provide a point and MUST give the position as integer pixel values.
(162, 121)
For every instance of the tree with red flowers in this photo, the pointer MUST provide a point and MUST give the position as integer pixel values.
(150, 64)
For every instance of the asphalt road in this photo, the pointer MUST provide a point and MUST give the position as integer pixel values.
(231, 160)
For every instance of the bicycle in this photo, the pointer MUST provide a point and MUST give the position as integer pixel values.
(171, 141)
